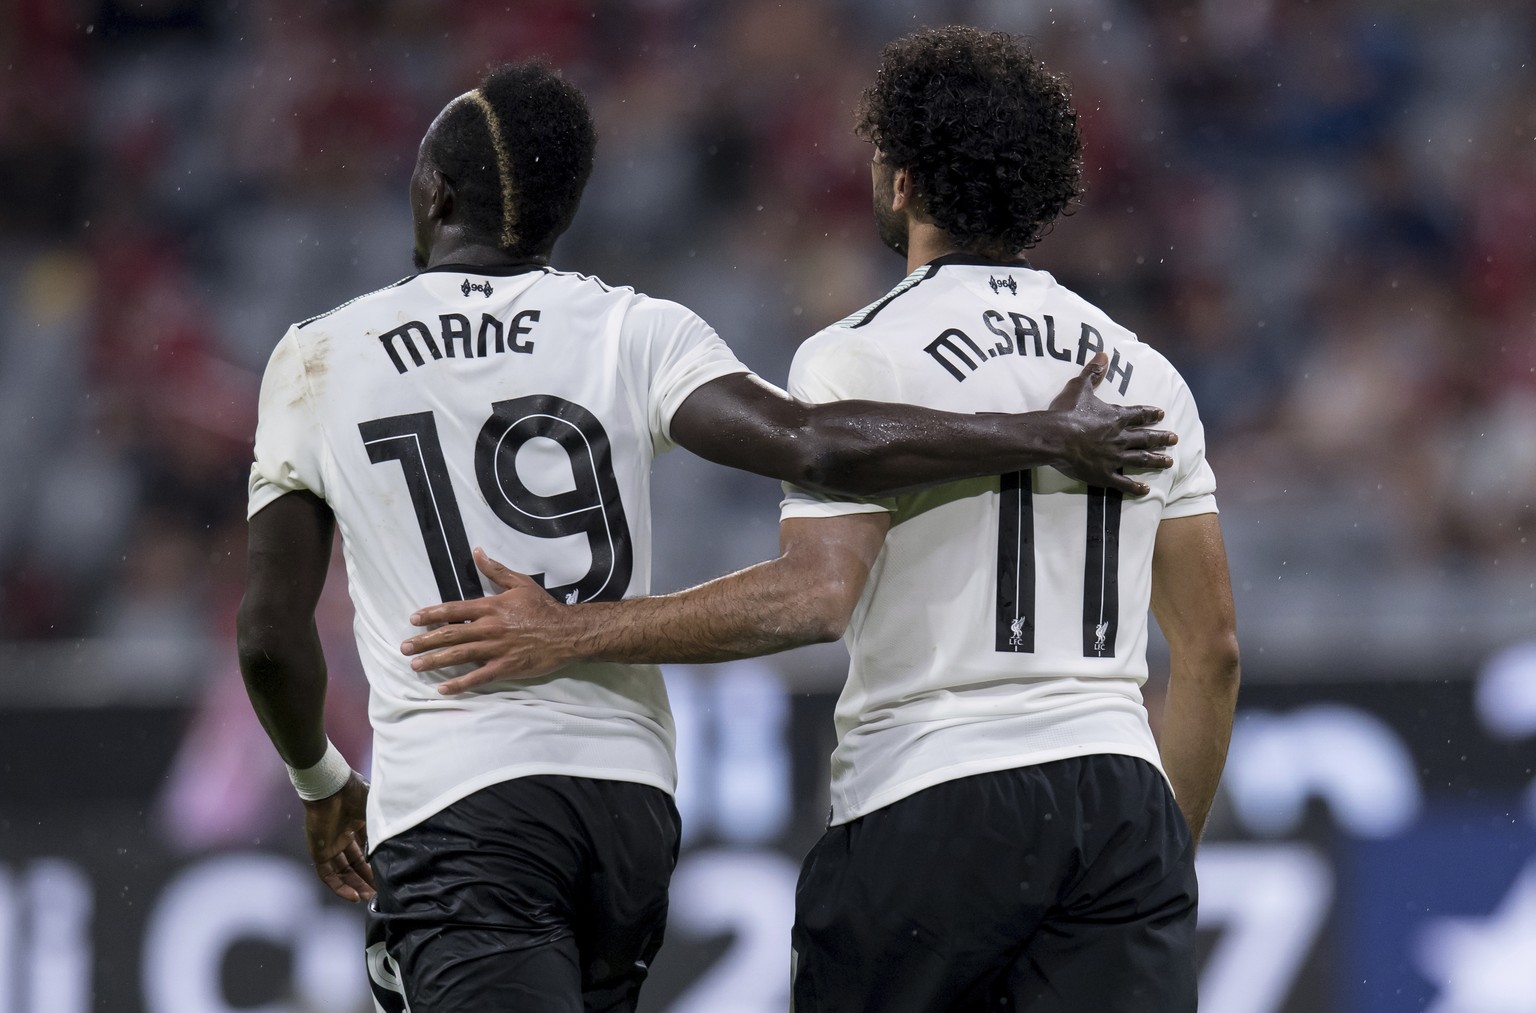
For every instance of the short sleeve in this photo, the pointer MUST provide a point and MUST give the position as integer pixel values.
(683, 353)
(1194, 484)
(838, 365)
(288, 435)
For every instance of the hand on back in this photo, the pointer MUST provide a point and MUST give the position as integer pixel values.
(511, 635)
(1102, 440)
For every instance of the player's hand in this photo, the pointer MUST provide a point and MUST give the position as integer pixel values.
(1101, 441)
(336, 830)
(512, 635)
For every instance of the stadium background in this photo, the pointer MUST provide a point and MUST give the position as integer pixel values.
(1323, 212)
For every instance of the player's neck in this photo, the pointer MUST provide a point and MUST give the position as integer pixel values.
(455, 249)
(926, 243)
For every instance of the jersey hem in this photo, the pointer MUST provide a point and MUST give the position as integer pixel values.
(706, 374)
(881, 799)
(264, 494)
(1192, 507)
(823, 508)
(464, 789)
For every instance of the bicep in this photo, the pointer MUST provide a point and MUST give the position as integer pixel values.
(288, 554)
(1191, 589)
(741, 422)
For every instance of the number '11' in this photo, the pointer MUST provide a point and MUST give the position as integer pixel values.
(1016, 568)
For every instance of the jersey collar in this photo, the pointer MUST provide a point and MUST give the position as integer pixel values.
(499, 271)
(969, 260)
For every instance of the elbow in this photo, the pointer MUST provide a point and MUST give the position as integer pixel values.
(819, 466)
(829, 606)
(255, 655)
(838, 465)
(828, 631)
(258, 641)
(1210, 665)
(1221, 663)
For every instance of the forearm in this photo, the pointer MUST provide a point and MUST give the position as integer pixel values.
(873, 448)
(869, 448)
(762, 609)
(285, 678)
(804, 596)
(1196, 728)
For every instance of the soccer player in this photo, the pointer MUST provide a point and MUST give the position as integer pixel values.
(520, 837)
(1003, 834)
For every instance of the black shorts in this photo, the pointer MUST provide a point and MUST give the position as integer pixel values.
(1065, 887)
(540, 894)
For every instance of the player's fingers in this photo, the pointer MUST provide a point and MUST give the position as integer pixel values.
(349, 888)
(1145, 460)
(349, 880)
(1148, 439)
(448, 612)
(504, 576)
(357, 860)
(478, 677)
(1129, 486)
(443, 636)
(1138, 416)
(347, 872)
(336, 882)
(340, 889)
(1093, 372)
(447, 657)
(358, 876)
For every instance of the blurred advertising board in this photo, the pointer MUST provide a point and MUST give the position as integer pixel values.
(1374, 851)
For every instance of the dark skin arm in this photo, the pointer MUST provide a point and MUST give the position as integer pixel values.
(868, 448)
(809, 592)
(1192, 599)
(289, 551)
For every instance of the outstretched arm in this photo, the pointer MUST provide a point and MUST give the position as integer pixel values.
(804, 596)
(284, 669)
(1192, 599)
(868, 448)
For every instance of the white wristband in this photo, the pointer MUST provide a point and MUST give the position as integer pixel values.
(325, 778)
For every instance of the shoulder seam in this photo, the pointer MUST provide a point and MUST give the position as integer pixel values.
(318, 316)
(868, 313)
(600, 283)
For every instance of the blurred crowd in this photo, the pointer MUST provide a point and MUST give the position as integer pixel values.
(1323, 211)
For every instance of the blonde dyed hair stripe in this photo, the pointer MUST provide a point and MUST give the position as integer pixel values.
(503, 168)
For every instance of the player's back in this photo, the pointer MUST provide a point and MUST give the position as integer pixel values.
(1005, 620)
(519, 412)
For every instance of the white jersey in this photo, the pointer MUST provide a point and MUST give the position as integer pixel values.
(516, 411)
(1005, 619)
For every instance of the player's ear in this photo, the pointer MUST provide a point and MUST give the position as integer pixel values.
(902, 194)
(440, 197)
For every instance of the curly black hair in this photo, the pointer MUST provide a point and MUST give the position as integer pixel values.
(988, 135)
(518, 151)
